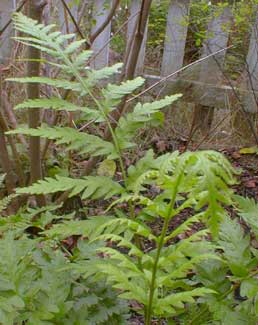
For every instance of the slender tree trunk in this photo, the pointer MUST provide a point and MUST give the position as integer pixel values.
(33, 69)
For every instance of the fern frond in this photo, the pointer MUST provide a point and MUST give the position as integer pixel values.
(154, 107)
(142, 113)
(210, 175)
(2, 178)
(82, 58)
(121, 279)
(4, 203)
(85, 228)
(114, 93)
(236, 247)
(73, 46)
(121, 242)
(248, 210)
(167, 306)
(91, 186)
(183, 227)
(47, 103)
(135, 198)
(58, 83)
(93, 77)
(79, 141)
(137, 227)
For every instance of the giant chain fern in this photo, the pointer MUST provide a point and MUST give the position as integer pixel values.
(72, 63)
(157, 279)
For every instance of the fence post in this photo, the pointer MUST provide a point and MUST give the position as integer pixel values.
(210, 71)
(176, 32)
(6, 8)
(133, 19)
(100, 13)
(251, 101)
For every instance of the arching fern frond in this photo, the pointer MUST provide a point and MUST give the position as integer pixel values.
(91, 186)
(79, 141)
(58, 83)
(114, 93)
(142, 113)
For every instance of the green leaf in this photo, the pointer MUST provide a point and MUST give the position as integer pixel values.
(90, 186)
(80, 141)
(73, 46)
(248, 210)
(142, 113)
(236, 247)
(114, 93)
(47, 103)
(58, 83)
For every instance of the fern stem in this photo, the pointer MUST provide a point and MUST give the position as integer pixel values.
(148, 315)
(154, 272)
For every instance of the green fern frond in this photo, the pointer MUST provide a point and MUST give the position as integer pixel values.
(114, 93)
(120, 241)
(123, 224)
(91, 186)
(248, 210)
(73, 46)
(93, 77)
(154, 107)
(167, 306)
(236, 247)
(82, 58)
(142, 113)
(79, 141)
(4, 203)
(127, 281)
(58, 83)
(214, 174)
(183, 227)
(47, 103)
(85, 228)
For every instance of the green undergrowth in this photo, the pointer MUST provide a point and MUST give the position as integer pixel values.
(58, 268)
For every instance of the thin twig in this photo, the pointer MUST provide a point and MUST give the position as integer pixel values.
(10, 20)
(176, 72)
(73, 20)
(110, 39)
(106, 22)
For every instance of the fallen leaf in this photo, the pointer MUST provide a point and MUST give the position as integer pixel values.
(107, 168)
(250, 184)
(248, 151)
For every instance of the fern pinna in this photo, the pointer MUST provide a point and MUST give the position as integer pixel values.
(161, 188)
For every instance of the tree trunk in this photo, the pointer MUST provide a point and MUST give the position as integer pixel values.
(33, 69)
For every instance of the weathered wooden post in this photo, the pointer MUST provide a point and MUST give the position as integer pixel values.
(244, 118)
(250, 101)
(210, 70)
(175, 40)
(133, 18)
(100, 14)
(6, 9)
